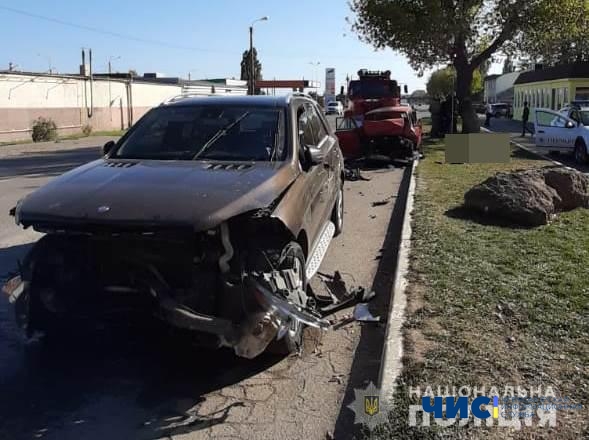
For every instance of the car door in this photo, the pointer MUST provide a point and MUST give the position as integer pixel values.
(328, 176)
(348, 135)
(315, 175)
(550, 130)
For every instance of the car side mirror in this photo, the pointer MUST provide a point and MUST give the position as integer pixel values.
(570, 124)
(106, 148)
(314, 155)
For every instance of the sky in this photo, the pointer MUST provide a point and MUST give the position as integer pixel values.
(205, 38)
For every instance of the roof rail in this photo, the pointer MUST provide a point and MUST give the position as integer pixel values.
(180, 97)
(299, 94)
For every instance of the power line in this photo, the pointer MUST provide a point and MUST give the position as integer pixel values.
(113, 34)
(168, 44)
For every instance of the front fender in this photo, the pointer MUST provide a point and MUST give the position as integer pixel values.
(292, 210)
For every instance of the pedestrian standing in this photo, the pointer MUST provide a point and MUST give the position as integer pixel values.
(525, 117)
(488, 114)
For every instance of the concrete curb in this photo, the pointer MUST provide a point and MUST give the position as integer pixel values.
(392, 355)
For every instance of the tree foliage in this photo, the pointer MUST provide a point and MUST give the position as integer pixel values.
(246, 66)
(441, 82)
(462, 33)
(559, 35)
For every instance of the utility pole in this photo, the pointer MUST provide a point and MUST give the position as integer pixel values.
(252, 67)
(252, 75)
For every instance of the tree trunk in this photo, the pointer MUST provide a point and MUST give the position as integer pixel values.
(470, 120)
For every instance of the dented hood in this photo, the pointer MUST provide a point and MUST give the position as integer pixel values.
(196, 193)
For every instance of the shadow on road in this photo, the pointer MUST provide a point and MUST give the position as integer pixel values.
(367, 358)
(46, 164)
(135, 384)
(142, 382)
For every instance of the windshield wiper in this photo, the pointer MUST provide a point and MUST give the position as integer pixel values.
(219, 134)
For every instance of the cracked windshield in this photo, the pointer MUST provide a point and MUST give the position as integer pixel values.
(363, 219)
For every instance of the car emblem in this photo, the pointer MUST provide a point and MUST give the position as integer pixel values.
(103, 209)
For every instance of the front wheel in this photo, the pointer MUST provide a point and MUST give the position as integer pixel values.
(291, 257)
(581, 153)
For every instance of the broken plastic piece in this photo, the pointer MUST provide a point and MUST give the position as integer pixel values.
(361, 313)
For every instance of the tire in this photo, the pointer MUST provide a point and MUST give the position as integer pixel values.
(337, 216)
(292, 254)
(580, 153)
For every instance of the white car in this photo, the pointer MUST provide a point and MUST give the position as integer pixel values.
(334, 108)
(565, 131)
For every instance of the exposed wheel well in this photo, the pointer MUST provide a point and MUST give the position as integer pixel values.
(580, 141)
(304, 242)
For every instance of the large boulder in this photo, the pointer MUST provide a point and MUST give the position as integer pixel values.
(520, 197)
(530, 197)
(571, 185)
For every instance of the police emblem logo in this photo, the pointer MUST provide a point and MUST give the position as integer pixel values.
(369, 408)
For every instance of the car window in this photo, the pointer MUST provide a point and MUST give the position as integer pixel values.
(306, 127)
(575, 116)
(549, 119)
(584, 115)
(318, 128)
(219, 132)
(345, 124)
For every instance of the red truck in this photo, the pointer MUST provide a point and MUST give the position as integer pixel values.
(375, 122)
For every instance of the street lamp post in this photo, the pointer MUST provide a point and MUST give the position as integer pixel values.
(315, 65)
(252, 79)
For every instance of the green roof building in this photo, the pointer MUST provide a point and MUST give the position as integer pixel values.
(551, 87)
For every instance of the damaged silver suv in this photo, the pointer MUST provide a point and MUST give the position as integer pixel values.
(210, 214)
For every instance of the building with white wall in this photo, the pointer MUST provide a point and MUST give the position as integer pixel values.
(499, 88)
(105, 102)
(551, 87)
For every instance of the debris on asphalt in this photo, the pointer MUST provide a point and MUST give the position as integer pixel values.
(354, 174)
(511, 339)
(345, 320)
(382, 202)
(362, 314)
(337, 378)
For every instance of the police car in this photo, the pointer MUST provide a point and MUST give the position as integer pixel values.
(565, 131)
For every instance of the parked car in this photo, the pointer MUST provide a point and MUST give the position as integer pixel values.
(334, 108)
(480, 109)
(211, 214)
(565, 131)
(501, 110)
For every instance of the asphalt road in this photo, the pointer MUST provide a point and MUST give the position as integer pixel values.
(148, 386)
